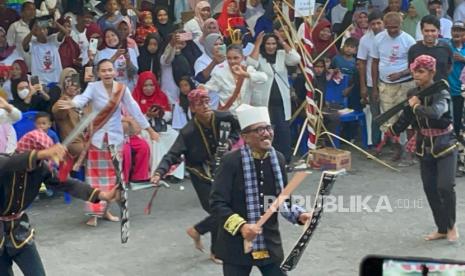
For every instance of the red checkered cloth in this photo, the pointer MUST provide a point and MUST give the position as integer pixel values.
(428, 132)
(100, 174)
(34, 140)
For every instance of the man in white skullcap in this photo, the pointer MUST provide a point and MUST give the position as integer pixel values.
(245, 178)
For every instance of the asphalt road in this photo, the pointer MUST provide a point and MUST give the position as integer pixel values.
(158, 244)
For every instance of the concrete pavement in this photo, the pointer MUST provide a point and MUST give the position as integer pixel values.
(158, 244)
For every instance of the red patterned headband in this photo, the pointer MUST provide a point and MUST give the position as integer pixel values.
(423, 61)
(197, 95)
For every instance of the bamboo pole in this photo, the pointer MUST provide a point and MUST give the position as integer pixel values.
(300, 137)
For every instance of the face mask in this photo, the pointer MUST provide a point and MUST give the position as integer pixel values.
(23, 93)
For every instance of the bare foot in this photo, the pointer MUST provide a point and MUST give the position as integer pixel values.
(92, 221)
(215, 259)
(435, 236)
(453, 234)
(196, 237)
(108, 216)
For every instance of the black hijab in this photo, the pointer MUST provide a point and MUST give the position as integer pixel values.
(17, 101)
(163, 29)
(148, 61)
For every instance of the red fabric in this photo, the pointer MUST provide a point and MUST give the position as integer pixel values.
(100, 174)
(137, 168)
(428, 132)
(69, 51)
(157, 98)
(34, 140)
(22, 64)
(143, 31)
(197, 95)
(423, 61)
(93, 28)
(224, 17)
(319, 44)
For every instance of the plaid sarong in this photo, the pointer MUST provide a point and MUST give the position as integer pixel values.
(428, 132)
(100, 174)
(251, 193)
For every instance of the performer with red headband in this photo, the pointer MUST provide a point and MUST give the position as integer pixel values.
(21, 176)
(435, 146)
(198, 142)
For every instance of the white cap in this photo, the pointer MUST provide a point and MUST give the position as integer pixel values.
(249, 115)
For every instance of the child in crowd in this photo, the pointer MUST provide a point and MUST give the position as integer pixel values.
(181, 113)
(146, 27)
(43, 122)
(345, 60)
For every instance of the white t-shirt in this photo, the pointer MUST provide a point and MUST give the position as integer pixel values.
(15, 55)
(83, 42)
(337, 14)
(392, 54)
(45, 59)
(459, 13)
(446, 29)
(364, 50)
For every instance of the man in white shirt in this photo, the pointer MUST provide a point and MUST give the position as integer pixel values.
(19, 30)
(435, 7)
(375, 20)
(78, 33)
(45, 62)
(389, 71)
(459, 13)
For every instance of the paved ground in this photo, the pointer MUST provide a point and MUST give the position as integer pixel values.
(159, 246)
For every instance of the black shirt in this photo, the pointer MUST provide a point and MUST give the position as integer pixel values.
(441, 52)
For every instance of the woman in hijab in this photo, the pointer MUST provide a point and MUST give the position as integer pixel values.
(416, 10)
(210, 58)
(229, 13)
(202, 13)
(154, 103)
(322, 38)
(360, 24)
(163, 23)
(67, 120)
(149, 58)
(124, 29)
(209, 26)
(18, 73)
(124, 59)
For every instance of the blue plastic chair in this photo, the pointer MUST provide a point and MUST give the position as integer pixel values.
(334, 95)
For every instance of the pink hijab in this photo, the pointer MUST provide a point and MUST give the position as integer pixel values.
(198, 9)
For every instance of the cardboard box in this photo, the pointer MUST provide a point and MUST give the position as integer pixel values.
(331, 159)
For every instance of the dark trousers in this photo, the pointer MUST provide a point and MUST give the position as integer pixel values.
(457, 112)
(272, 269)
(282, 132)
(27, 259)
(208, 224)
(375, 111)
(438, 176)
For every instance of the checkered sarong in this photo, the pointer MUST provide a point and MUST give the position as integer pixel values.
(100, 174)
(251, 192)
(428, 132)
